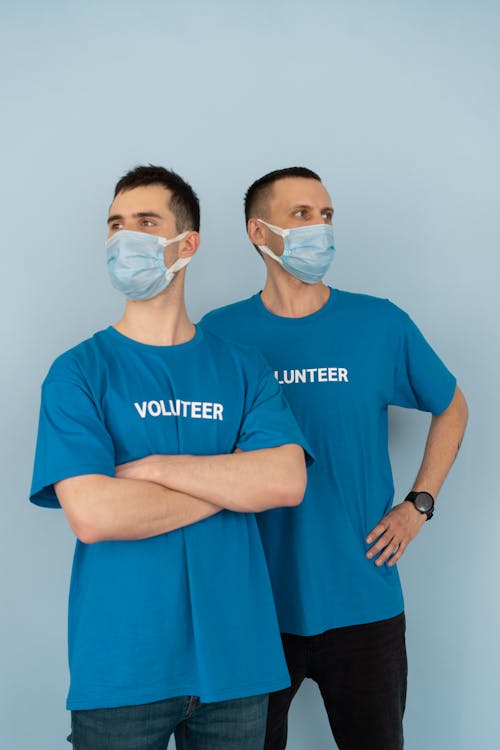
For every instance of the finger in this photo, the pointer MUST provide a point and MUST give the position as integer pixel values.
(397, 556)
(381, 544)
(377, 531)
(386, 553)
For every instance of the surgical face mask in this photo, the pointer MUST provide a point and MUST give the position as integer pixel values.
(308, 250)
(135, 263)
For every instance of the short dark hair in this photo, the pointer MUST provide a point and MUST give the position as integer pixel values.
(184, 202)
(257, 195)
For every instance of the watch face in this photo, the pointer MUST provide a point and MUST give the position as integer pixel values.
(423, 502)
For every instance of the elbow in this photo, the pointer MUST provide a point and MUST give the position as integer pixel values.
(88, 524)
(86, 531)
(293, 481)
(296, 478)
(293, 493)
(86, 513)
(290, 490)
(283, 484)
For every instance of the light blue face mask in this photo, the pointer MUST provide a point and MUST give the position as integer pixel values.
(135, 263)
(308, 251)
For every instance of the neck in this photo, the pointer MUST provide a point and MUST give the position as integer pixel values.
(161, 321)
(289, 297)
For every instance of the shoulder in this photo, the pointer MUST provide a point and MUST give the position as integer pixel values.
(78, 363)
(376, 311)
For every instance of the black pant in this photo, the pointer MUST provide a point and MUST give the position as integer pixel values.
(361, 672)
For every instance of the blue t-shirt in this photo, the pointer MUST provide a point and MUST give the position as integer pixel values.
(189, 612)
(340, 368)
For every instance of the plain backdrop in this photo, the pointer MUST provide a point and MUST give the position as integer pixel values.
(396, 105)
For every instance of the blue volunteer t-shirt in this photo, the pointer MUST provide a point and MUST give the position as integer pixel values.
(189, 612)
(340, 369)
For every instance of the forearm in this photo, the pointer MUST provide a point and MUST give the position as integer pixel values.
(243, 481)
(399, 526)
(442, 445)
(101, 508)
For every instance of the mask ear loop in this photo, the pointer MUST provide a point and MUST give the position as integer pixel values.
(264, 249)
(180, 262)
(277, 230)
(164, 242)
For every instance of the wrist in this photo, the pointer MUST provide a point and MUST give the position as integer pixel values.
(422, 501)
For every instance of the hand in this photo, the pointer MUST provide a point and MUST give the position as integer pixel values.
(143, 468)
(394, 532)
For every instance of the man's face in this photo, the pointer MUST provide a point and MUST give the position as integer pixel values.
(294, 202)
(144, 209)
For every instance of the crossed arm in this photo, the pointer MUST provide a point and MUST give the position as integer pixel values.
(158, 494)
(392, 535)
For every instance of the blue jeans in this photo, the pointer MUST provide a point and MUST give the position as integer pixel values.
(226, 725)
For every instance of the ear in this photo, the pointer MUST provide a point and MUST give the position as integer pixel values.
(189, 245)
(256, 232)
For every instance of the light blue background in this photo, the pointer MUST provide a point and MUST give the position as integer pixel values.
(396, 105)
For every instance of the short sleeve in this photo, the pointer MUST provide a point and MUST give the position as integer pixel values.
(422, 381)
(72, 439)
(268, 421)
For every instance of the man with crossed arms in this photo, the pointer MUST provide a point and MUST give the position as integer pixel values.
(172, 625)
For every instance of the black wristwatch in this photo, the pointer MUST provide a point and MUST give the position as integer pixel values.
(423, 502)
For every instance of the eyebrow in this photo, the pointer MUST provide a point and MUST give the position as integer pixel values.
(306, 205)
(138, 215)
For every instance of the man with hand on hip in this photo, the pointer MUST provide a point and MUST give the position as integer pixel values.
(342, 359)
(160, 441)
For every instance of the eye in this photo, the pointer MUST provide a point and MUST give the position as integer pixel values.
(328, 216)
(301, 213)
(148, 223)
(115, 226)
